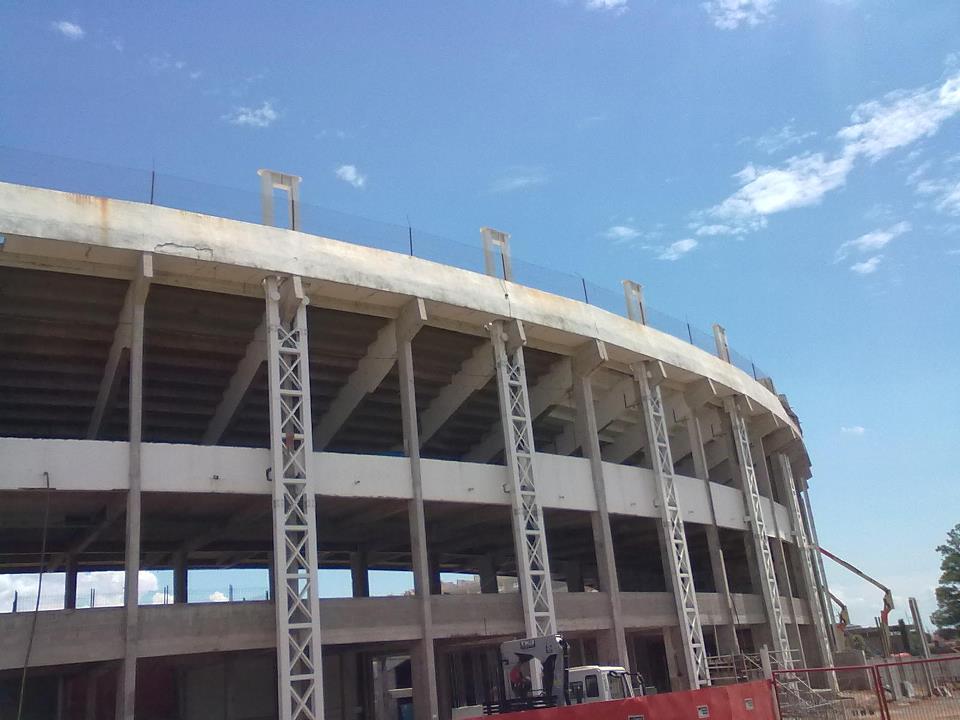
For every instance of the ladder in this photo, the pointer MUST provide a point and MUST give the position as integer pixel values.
(530, 538)
(771, 591)
(299, 667)
(674, 537)
(803, 545)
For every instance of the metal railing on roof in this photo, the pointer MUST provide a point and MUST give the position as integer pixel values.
(54, 172)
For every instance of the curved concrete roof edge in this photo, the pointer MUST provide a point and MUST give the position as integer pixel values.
(119, 224)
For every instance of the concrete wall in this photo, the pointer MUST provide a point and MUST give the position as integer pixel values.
(102, 466)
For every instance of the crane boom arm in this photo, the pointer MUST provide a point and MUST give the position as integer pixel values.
(887, 595)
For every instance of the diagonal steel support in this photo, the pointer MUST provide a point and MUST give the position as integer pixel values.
(530, 537)
(299, 666)
(758, 528)
(671, 524)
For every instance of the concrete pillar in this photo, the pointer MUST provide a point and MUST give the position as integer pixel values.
(127, 686)
(779, 556)
(70, 583)
(180, 577)
(271, 577)
(359, 573)
(671, 646)
(423, 655)
(727, 642)
(487, 569)
(573, 571)
(585, 363)
(435, 583)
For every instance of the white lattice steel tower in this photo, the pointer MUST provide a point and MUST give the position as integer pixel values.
(530, 538)
(673, 534)
(300, 682)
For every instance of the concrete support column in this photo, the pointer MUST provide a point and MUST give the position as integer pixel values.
(573, 571)
(180, 577)
(487, 569)
(765, 483)
(70, 583)
(726, 632)
(359, 573)
(436, 584)
(671, 647)
(127, 686)
(271, 576)
(585, 363)
(423, 653)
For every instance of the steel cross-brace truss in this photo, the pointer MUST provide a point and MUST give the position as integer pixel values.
(675, 538)
(530, 535)
(758, 527)
(806, 550)
(300, 682)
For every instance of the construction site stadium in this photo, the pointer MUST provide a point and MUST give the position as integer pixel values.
(184, 392)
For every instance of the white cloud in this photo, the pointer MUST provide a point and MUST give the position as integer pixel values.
(877, 128)
(68, 29)
(621, 233)
(900, 118)
(162, 63)
(617, 7)
(350, 175)
(803, 180)
(117, 44)
(777, 140)
(868, 266)
(519, 179)
(675, 251)
(731, 14)
(715, 229)
(107, 586)
(853, 430)
(218, 596)
(950, 201)
(259, 117)
(872, 241)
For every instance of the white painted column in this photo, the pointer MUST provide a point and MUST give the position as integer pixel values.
(590, 358)
(127, 689)
(423, 658)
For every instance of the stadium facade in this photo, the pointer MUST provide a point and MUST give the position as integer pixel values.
(182, 392)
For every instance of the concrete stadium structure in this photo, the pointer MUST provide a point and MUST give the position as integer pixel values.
(643, 497)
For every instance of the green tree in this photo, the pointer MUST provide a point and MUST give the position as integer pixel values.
(948, 592)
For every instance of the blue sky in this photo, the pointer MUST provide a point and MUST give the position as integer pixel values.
(790, 169)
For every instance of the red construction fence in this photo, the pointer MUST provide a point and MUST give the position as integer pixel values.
(746, 701)
(898, 690)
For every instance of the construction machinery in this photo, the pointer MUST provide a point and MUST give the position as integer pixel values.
(541, 662)
(887, 595)
(843, 615)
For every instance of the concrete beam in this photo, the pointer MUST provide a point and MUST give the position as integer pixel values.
(110, 514)
(253, 357)
(550, 390)
(475, 372)
(122, 339)
(372, 369)
(617, 401)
